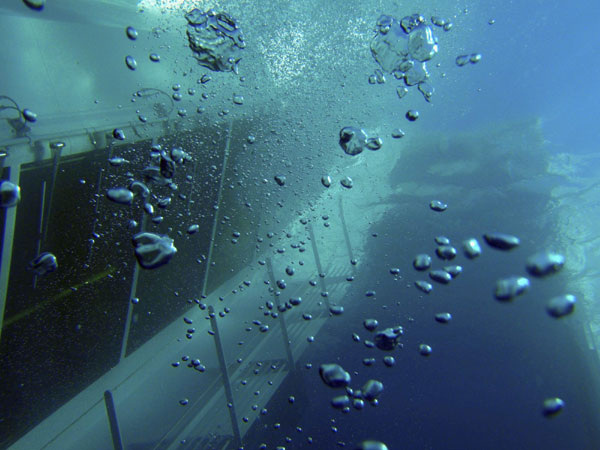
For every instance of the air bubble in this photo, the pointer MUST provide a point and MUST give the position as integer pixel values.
(10, 194)
(43, 264)
(131, 62)
(38, 5)
(153, 250)
(131, 33)
(334, 375)
(121, 196)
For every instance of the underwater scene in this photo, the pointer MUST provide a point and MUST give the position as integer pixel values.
(299, 224)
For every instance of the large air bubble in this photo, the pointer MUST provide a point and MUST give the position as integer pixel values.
(422, 44)
(215, 39)
(390, 45)
(153, 250)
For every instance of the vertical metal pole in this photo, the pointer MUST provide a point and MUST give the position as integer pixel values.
(111, 411)
(57, 147)
(284, 332)
(7, 244)
(95, 221)
(219, 197)
(346, 236)
(132, 292)
(189, 199)
(313, 242)
(225, 375)
(38, 248)
(46, 209)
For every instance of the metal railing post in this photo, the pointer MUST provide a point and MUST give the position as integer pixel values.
(226, 381)
(218, 205)
(113, 423)
(8, 236)
(346, 235)
(132, 292)
(322, 284)
(284, 332)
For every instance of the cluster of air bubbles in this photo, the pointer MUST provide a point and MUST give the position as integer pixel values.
(442, 23)
(402, 48)
(151, 250)
(463, 60)
(130, 61)
(354, 140)
(540, 265)
(398, 133)
(215, 39)
(334, 376)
